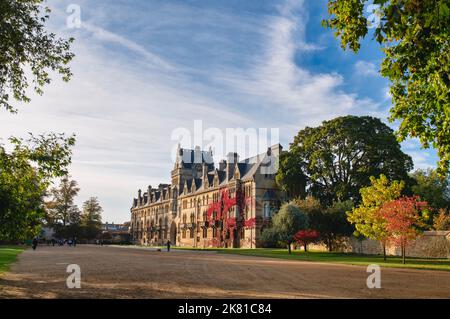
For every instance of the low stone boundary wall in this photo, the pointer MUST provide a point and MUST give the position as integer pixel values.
(431, 244)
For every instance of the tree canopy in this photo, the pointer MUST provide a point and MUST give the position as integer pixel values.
(25, 174)
(330, 222)
(432, 188)
(338, 157)
(414, 37)
(61, 208)
(403, 220)
(26, 45)
(365, 217)
(91, 217)
(287, 222)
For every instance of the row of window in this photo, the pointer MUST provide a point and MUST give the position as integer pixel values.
(215, 233)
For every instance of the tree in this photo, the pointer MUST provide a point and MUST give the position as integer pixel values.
(365, 217)
(339, 157)
(287, 222)
(25, 45)
(25, 174)
(91, 218)
(62, 207)
(306, 237)
(403, 220)
(290, 177)
(269, 238)
(330, 222)
(313, 209)
(333, 224)
(414, 39)
(442, 220)
(432, 188)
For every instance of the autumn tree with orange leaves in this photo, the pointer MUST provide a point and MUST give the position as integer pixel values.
(403, 221)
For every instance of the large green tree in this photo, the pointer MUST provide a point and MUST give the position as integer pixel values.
(432, 188)
(291, 177)
(91, 218)
(414, 37)
(25, 46)
(25, 174)
(338, 157)
(331, 222)
(61, 208)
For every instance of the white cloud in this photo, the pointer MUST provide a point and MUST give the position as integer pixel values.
(364, 68)
(276, 81)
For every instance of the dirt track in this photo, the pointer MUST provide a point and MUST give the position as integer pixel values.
(112, 272)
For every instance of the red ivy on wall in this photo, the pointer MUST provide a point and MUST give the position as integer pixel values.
(220, 210)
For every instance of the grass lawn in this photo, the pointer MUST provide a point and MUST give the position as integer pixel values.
(8, 255)
(338, 258)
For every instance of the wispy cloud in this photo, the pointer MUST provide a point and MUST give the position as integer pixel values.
(104, 35)
(365, 68)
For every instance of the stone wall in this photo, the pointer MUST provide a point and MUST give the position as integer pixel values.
(432, 244)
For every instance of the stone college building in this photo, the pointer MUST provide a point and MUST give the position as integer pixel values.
(208, 206)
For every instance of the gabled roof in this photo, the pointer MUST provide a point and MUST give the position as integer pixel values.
(192, 157)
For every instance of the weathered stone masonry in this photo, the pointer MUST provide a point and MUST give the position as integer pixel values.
(205, 206)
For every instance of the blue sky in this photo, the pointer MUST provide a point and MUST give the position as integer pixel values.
(144, 68)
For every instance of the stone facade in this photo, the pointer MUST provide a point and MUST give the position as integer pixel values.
(205, 206)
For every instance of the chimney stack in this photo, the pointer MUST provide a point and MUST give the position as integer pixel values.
(139, 197)
(222, 165)
(149, 191)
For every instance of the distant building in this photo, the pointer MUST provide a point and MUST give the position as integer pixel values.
(116, 227)
(118, 233)
(205, 206)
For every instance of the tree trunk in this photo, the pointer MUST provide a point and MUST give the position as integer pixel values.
(404, 253)
(305, 247)
(289, 248)
(384, 251)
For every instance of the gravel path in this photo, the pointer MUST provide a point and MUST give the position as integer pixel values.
(113, 272)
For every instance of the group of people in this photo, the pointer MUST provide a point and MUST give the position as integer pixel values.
(60, 242)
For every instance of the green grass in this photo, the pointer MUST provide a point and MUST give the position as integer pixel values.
(8, 255)
(337, 258)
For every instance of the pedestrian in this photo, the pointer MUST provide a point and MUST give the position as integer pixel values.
(35, 243)
(168, 245)
(74, 242)
(53, 242)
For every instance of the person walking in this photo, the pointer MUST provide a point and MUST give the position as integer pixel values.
(35, 243)
(74, 242)
(168, 245)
